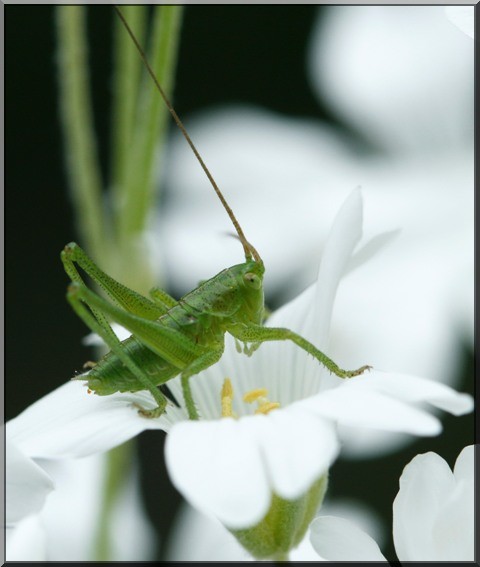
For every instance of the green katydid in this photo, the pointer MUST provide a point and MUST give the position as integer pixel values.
(170, 337)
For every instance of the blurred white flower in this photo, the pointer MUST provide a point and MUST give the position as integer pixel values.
(53, 506)
(26, 541)
(433, 517)
(231, 467)
(403, 77)
(27, 485)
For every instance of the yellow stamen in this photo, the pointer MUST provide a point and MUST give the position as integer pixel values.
(227, 398)
(227, 389)
(254, 395)
(267, 407)
(260, 396)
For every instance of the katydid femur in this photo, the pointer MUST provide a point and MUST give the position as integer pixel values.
(170, 337)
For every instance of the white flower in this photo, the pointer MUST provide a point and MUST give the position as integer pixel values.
(433, 517)
(230, 467)
(419, 112)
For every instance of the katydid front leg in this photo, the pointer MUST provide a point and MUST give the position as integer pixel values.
(258, 334)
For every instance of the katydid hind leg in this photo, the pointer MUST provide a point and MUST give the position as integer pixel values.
(77, 279)
(88, 317)
(168, 343)
(125, 297)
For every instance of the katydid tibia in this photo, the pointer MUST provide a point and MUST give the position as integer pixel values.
(170, 337)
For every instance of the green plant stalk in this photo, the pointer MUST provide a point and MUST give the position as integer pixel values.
(79, 137)
(126, 88)
(118, 467)
(152, 119)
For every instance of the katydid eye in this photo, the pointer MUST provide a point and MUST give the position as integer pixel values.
(252, 280)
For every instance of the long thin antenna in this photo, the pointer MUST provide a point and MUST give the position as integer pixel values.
(247, 247)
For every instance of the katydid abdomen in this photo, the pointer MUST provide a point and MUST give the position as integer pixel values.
(110, 375)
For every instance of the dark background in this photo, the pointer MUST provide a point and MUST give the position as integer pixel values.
(250, 54)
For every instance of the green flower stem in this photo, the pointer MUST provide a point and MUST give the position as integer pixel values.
(126, 87)
(80, 146)
(118, 467)
(151, 122)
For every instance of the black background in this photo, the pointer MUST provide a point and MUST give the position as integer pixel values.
(250, 54)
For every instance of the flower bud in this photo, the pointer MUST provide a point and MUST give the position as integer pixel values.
(285, 524)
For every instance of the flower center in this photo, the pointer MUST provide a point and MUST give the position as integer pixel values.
(259, 395)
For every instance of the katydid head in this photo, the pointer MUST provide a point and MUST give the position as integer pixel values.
(250, 285)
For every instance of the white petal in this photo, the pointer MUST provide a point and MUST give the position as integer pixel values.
(297, 449)
(293, 374)
(415, 389)
(367, 408)
(27, 485)
(218, 467)
(336, 539)
(465, 465)
(26, 541)
(359, 513)
(454, 533)
(425, 484)
(304, 551)
(342, 239)
(371, 248)
(95, 340)
(69, 422)
(208, 539)
(462, 17)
